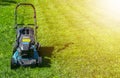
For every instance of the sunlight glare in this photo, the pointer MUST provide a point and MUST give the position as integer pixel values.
(110, 7)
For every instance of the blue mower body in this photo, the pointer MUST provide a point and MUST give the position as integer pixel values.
(19, 60)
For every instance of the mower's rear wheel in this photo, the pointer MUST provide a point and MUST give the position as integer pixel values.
(39, 61)
(13, 65)
(37, 46)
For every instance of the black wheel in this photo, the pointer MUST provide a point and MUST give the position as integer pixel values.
(13, 65)
(38, 46)
(39, 61)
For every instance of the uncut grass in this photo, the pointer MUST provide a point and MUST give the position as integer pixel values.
(84, 45)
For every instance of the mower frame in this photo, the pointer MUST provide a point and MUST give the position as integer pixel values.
(35, 19)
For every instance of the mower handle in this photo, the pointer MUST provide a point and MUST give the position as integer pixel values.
(25, 4)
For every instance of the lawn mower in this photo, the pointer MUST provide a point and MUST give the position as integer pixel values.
(26, 49)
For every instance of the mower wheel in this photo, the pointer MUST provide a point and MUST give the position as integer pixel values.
(39, 61)
(38, 46)
(13, 65)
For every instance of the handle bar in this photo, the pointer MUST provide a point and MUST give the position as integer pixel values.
(25, 4)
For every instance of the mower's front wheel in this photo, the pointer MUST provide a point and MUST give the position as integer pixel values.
(13, 65)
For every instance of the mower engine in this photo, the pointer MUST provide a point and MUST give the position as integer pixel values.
(26, 42)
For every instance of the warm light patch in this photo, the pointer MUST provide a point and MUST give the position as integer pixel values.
(110, 7)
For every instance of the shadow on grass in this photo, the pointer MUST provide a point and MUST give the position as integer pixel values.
(46, 53)
(7, 2)
(65, 46)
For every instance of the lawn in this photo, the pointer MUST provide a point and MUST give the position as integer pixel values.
(79, 38)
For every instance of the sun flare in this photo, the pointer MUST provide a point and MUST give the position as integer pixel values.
(110, 7)
(113, 5)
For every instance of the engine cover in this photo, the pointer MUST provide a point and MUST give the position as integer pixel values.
(25, 43)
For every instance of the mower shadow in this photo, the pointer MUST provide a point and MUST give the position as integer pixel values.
(46, 53)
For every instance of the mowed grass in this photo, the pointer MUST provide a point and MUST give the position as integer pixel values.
(85, 40)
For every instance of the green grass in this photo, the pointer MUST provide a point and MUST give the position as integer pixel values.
(86, 43)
